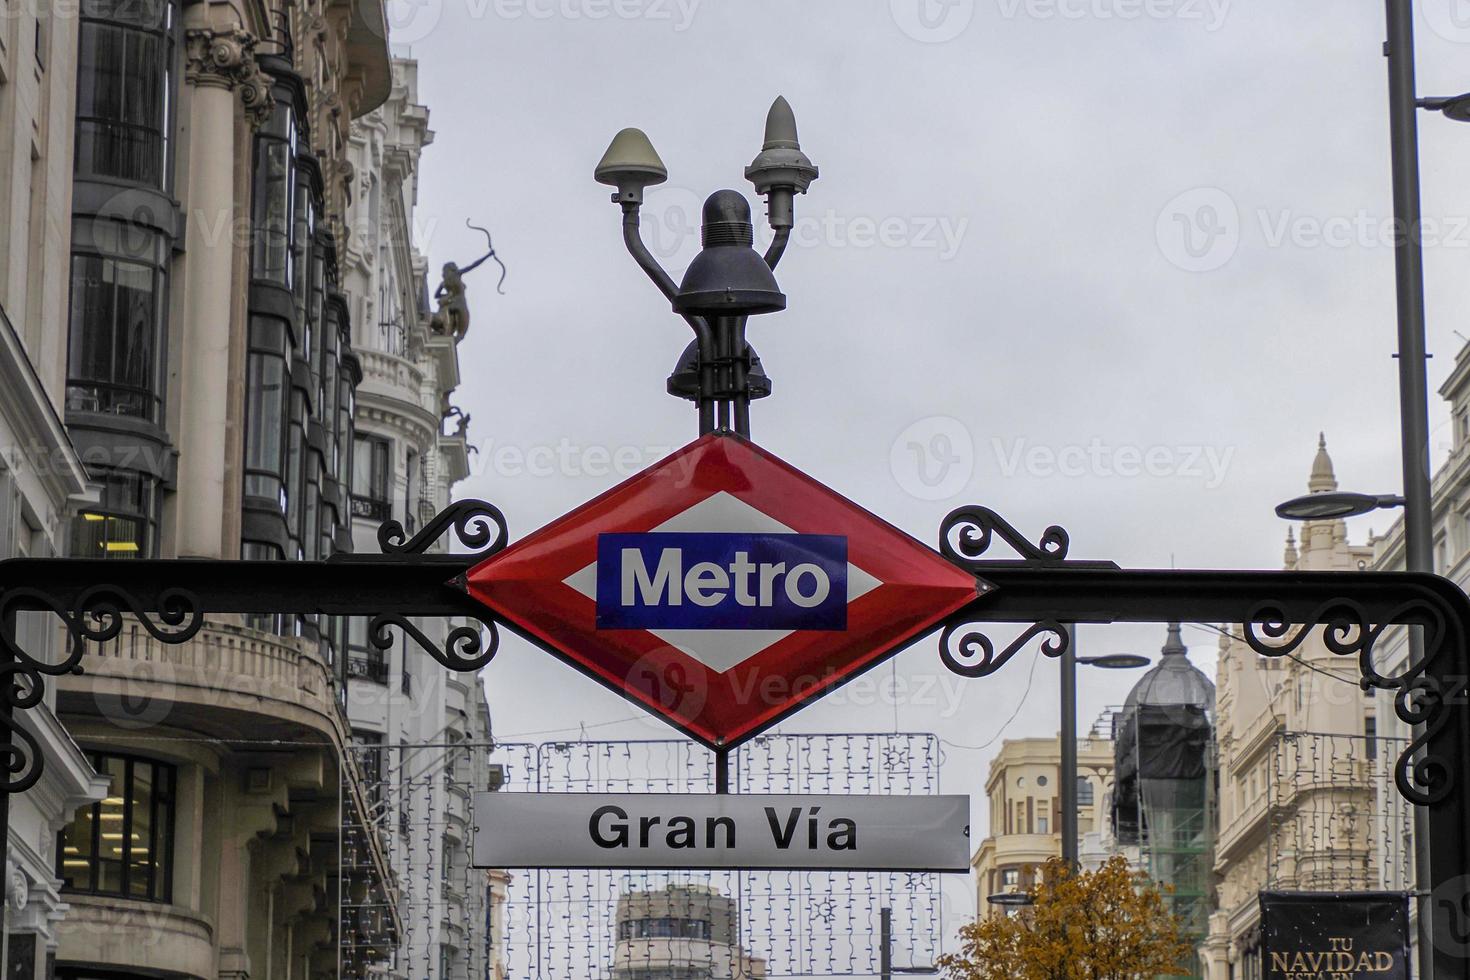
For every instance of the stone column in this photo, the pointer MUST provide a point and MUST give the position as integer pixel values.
(219, 62)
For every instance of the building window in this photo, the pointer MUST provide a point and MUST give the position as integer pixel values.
(125, 90)
(370, 760)
(1085, 795)
(275, 184)
(118, 307)
(1370, 733)
(411, 491)
(123, 845)
(265, 412)
(664, 928)
(1041, 826)
(124, 522)
(370, 475)
(363, 659)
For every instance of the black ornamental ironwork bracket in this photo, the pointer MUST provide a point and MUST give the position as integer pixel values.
(1046, 593)
(1042, 590)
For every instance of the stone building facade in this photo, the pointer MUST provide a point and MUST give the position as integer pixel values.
(423, 733)
(681, 930)
(1025, 810)
(41, 475)
(1302, 801)
(208, 381)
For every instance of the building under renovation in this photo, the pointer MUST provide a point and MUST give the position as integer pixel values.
(1163, 798)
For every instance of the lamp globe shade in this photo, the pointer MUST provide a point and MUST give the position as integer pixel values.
(781, 164)
(631, 164)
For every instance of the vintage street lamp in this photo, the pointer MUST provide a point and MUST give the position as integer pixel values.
(728, 282)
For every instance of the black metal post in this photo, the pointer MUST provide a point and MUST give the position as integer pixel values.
(885, 943)
(739, 380)
(8, 624)
(1068, 789)
(722, 772)
(1413, 381)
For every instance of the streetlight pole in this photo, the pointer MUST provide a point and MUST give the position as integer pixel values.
(1067, 792)
(1413, 378)
(1070, 845)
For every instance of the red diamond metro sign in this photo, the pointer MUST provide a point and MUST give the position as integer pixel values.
(722, 589)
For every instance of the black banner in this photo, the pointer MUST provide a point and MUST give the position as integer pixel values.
(1332, 936)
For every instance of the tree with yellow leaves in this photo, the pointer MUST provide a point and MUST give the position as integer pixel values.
(1108, 924)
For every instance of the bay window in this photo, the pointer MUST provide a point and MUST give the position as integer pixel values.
(123, 524)
(275, 186)
(116, 330)
(265, 412)
(126, 79)
(123, 845)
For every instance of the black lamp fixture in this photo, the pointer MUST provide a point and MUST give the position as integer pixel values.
(728, 277)
(729, 281)
(1011, 900)
(1455, 107)
(684, 381)
(1334, 505)
(1115, 661)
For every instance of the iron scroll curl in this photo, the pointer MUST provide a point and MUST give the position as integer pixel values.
(465, 649)
(99, 615)
(968, 651)
(1422, 777)
(967, 533)
(479, 526)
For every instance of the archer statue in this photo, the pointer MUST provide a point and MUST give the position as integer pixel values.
(453, 317)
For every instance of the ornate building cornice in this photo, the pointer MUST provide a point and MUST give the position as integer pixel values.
(226, 59)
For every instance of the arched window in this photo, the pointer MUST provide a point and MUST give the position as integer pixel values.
(1085, 796)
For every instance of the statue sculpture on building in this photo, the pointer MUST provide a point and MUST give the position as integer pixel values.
(453, 317)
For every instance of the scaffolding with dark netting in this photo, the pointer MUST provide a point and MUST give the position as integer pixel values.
(1164, 796)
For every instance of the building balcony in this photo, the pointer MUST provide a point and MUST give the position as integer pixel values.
(1010, 850)
(368, 667)
(391, 376)
(1243, 831)
(152, 938)
(228, 682)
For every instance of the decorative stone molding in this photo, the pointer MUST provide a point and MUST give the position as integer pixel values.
(226, 59)
(18, 889)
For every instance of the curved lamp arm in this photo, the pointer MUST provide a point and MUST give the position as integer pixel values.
(703, 333)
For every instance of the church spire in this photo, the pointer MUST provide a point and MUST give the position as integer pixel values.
(1174, 645)
(1323, 479)
(1290, 557)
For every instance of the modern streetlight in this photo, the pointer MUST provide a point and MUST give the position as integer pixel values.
(1013, 900)
(728, 282)
(1069, 771)
(1334, 505)
(1404, 104)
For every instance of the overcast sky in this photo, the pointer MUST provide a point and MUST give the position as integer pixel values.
(1049, 237)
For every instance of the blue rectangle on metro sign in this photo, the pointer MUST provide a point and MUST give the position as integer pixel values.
(701, 581)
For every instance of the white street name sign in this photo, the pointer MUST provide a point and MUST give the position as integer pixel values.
(705, 832)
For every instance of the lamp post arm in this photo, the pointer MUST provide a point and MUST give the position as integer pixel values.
(633, 239)
(704, 334)
(777, 247)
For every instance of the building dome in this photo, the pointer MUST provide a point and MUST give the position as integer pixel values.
(1174, 681)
